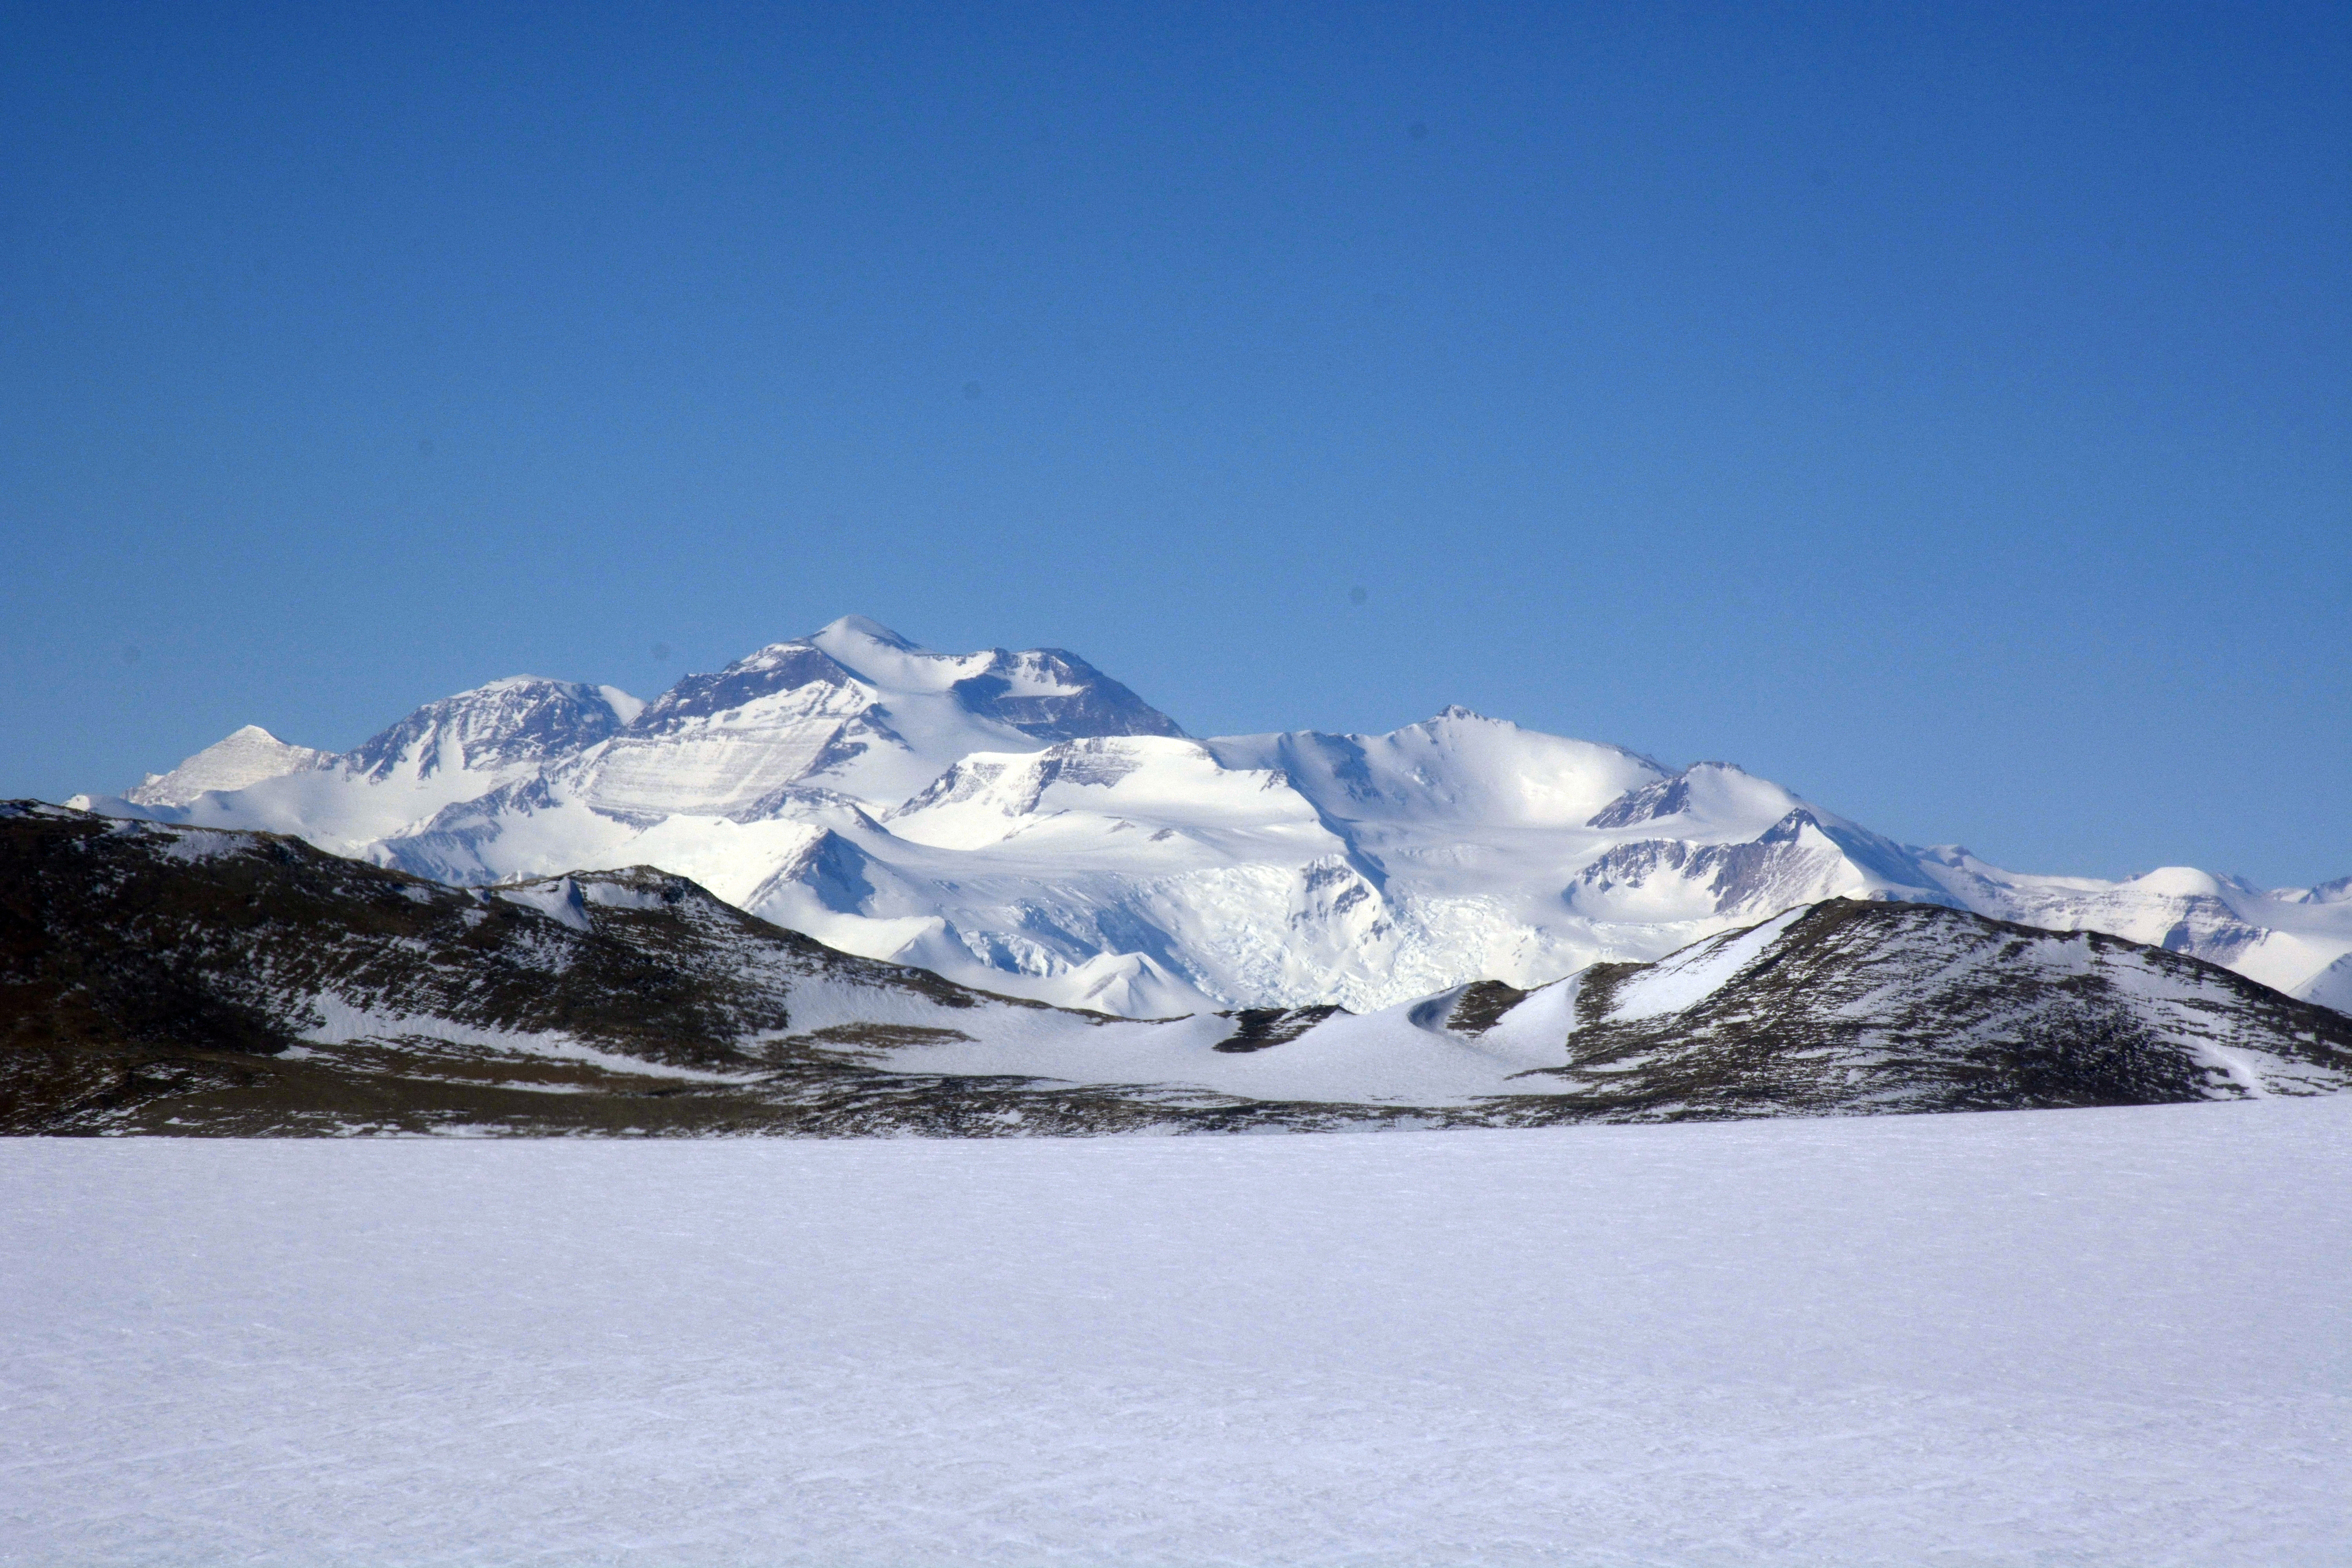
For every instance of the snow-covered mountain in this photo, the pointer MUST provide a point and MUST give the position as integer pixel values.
(247, 757)
(1022, 822)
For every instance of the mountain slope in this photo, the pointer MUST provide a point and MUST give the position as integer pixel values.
(1914, 1007)
(1022, 822)
(162, 979)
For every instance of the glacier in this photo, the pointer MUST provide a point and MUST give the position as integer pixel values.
(1022, 823)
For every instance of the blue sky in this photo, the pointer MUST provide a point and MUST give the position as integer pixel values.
(1945, 411)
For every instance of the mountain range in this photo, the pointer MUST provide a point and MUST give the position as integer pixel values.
(167, 979)
(1024, 824)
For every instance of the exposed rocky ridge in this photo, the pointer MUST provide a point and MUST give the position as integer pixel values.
(1909, 1008)
(166, 979)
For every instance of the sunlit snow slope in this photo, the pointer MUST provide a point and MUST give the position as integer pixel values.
(1021, 821)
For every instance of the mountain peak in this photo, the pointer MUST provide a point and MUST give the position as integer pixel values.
(514, 720)
(854, 710)
(863, 629)
(2180, 882)
(1724, 790)
(239, 760)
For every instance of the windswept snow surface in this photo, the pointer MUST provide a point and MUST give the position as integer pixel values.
(1022, 823)
(2074, 1337)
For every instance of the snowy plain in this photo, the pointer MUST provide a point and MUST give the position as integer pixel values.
(2113, 1336)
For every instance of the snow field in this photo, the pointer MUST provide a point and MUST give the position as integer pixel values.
(2068, 1337)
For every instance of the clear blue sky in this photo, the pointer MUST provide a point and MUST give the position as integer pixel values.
(1945, 410)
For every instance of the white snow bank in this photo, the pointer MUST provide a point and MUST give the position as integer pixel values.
(2081, 1337)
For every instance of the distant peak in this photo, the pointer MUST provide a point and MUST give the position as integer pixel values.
(868, 630)
(1456, 711)
(239, 760)
(2180, 881)
(1671, 795)
(514, 720)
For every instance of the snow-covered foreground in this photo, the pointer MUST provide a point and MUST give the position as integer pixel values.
(2103, 1336)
